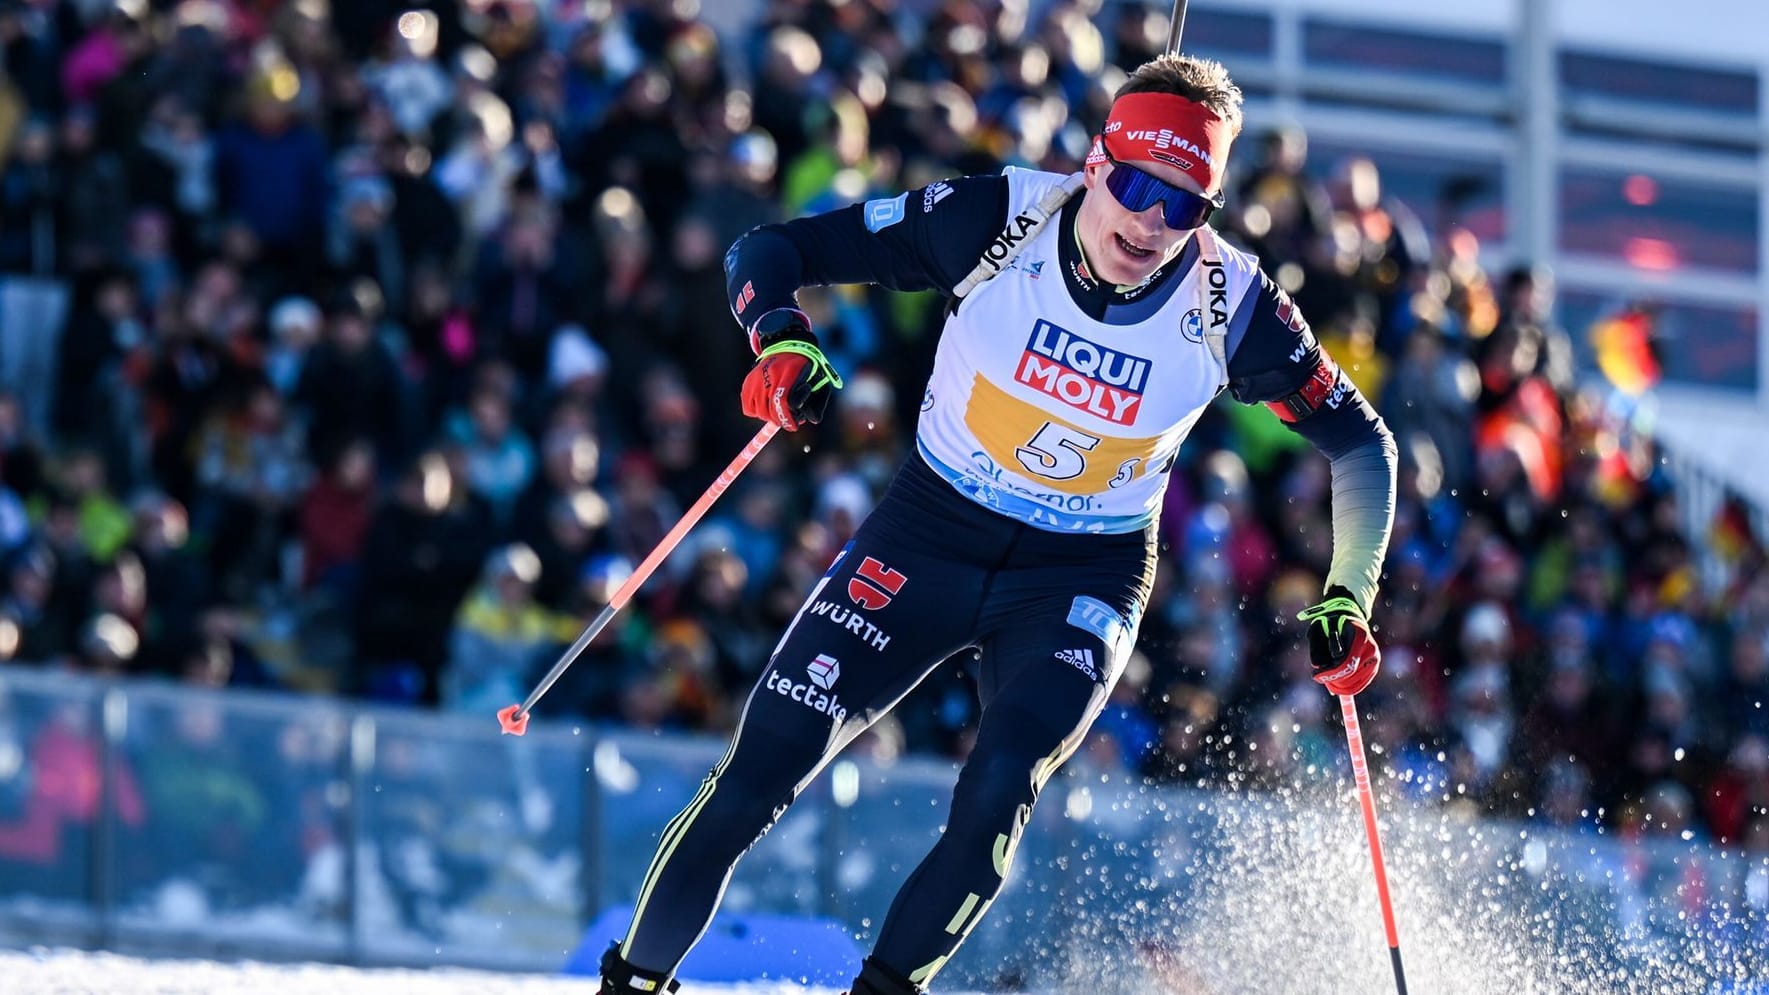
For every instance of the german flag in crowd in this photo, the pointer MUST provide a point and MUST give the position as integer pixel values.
(1623, 344)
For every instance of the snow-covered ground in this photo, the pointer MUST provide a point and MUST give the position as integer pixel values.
(74, 972)
(1277, 899)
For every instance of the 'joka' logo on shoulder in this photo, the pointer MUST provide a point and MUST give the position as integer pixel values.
(1084, 375)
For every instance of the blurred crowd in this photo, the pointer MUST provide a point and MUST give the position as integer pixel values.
(363, 348)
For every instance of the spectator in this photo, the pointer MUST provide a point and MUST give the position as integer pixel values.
(413, 86)
(477, 173)
(250, 465)
(270, 171)
(594, 686)
(520, 286)
(499, 635)
(30, 189)
(177, 579)
(423, 552)
(175, 135)
(45, 623)
(95, 194)
(1281, 211)
(102, 523)
(93, 402)
(499, 457)
(711, 355)
(350, 386)
(335, 515)
(713, 597)
(363, 243)
(296, 325)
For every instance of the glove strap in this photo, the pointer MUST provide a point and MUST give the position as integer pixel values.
(782, 322)
(1338, 607)
(822, 375)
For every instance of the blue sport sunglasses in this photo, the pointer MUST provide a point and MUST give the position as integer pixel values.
(1138, 191)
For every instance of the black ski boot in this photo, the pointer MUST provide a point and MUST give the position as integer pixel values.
(621, 978)
(877, 979)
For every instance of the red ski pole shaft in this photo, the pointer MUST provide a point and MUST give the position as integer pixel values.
(1360, 771)
(514, 719)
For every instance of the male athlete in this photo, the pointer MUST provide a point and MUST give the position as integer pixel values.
(1094, 317)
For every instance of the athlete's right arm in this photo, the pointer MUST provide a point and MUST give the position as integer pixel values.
(926, 239)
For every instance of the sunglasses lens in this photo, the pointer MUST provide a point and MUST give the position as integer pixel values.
(1138, 191)
(1135, 189)
(1188, 212)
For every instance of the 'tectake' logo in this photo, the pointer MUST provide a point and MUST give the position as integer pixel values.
(875, 584)
(824, 671)
(1083, 374)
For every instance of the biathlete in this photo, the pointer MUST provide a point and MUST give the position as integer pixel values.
(1093, 317)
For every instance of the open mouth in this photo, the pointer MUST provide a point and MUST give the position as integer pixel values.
(1133, 249)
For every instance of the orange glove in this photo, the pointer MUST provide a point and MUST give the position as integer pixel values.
(791, 381)
(1344, 653)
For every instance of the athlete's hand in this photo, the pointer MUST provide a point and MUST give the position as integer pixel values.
(791, 381)
(1344, 653)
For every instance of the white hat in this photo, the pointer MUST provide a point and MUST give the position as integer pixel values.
(845, 492)
(574, 355)
(1486, 622)
(295, 312)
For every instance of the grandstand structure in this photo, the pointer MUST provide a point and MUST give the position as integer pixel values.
(1625, 145)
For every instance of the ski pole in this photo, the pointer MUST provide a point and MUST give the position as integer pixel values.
(1175, 27)
(514, 718)
(1360, 772)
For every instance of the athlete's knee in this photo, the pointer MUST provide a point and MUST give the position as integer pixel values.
(763, 776)
(995, 795)
(744, 807)
(741, 809)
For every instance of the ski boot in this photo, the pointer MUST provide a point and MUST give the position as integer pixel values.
(877, 979)
(621, 978)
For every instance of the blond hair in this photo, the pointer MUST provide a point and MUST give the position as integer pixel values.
(1205, 81)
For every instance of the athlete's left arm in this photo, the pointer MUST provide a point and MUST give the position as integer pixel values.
(1280, 364)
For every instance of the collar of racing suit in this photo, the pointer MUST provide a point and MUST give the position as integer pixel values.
(1092, 294)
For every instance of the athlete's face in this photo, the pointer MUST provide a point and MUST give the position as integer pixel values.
(1125, 247)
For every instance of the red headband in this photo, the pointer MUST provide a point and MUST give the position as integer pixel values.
(1166, 127)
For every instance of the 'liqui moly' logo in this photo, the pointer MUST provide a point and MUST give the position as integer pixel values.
(1084, 375)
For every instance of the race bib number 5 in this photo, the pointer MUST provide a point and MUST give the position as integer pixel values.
(1057, 452)
(1051, 450)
